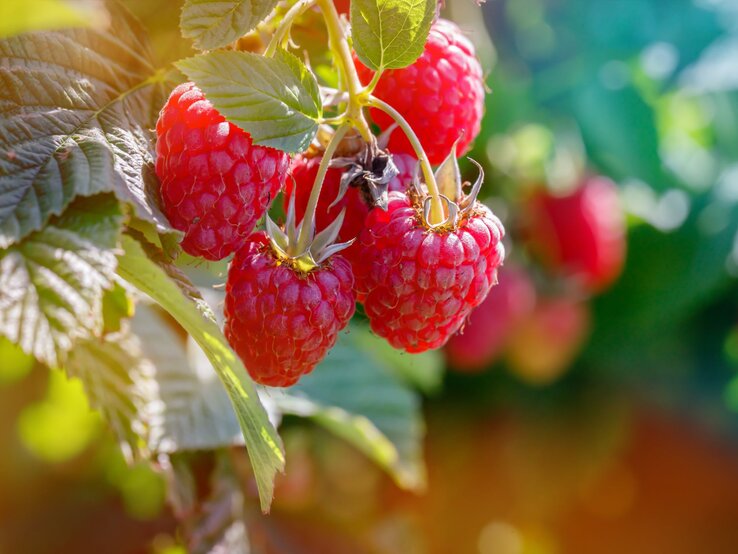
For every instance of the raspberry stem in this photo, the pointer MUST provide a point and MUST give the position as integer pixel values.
(283, 29)
(308, 223)
(375, 80)
(349, 77)
(436, 215)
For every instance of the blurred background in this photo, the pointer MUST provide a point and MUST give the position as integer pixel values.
(590, 405)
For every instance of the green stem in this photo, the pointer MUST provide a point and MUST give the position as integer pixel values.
(436, 214)
(349, 77)
(284, 26)
(375, 80)
(308, 220)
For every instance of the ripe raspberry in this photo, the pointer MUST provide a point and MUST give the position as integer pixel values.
(580, 235)
(215, 185)
(343, 6)
(441, 95)
(304, 170)
(282, 321)
(419, 285)
(487, 331)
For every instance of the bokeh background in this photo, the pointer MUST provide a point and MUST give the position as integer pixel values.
(628, 444)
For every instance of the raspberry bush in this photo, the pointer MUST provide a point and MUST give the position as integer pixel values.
(247, 233)
(111, 166)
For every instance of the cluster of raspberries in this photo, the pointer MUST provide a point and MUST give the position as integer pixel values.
(417, 284)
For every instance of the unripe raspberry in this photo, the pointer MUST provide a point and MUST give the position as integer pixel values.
(282, 321)
(489, 327)
(215, 184)
(441, 95)
(418, 285)
(579, 235)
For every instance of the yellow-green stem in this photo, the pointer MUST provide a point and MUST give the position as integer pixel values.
(349, 77)
(436, 214)
(283, 29)
(308, 220)
(375, 80)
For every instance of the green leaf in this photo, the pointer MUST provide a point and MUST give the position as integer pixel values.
(76, 109)
(54, 281)
(357, 397)
(275, 100)
(150, 274)
(119, 385)
(390, 34)
(195, 412)
(215, 23)
(424, 371)
(116, 308)
(22, 16)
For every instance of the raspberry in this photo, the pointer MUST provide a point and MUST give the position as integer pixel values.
(441, 95)
(580, 235)
(419, 285)
(546, 343)
(215, 185)
(304, 170)
(282, 321)
(487, 331)
(343, 6)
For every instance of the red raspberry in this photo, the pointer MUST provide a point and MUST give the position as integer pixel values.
(215, 185)
(547, 342)
(304, 169)
(441, 95)
(580, 235)
(282, 321)
(343, 6)
(489, 327)
(419, 285)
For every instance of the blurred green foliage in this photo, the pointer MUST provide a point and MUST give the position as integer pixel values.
(61, 425)
(646, 90)
(20, 16)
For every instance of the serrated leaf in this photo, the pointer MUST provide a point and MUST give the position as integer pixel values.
(262, 440)
(357, 397)
(119, 384)
(195, 411)
(390, 34)
(53, 282)
(215, 23)
(276, 100)
(76, 109)
(22, 16)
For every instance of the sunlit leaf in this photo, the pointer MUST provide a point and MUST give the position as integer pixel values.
(275, 100)
(146, 270)
(390, 34)
(54, 281)
(76, 110)
(215, 23)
